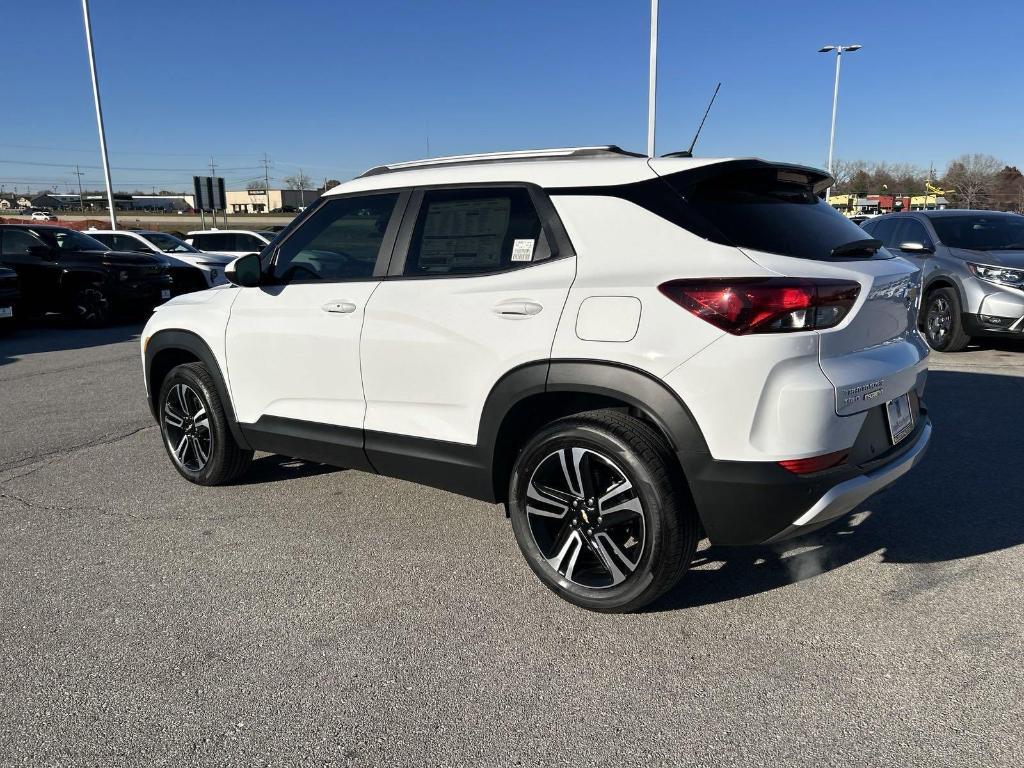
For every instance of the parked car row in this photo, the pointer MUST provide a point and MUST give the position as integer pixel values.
(91, 277)
(190, 268)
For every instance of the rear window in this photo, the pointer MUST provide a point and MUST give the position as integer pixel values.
(768, 209)
(214, 242)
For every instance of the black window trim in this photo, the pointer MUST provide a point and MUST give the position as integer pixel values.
(551, 225)
(383, 254)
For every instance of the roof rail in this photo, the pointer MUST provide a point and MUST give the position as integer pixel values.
(501, 157)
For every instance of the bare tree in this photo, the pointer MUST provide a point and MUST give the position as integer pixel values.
(842, 172)
(331, 184)
(298, 181)
(256, 185)
(973, 177)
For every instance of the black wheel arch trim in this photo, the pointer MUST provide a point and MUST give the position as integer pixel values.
(192, 343)
(637, 388)
(942, 281)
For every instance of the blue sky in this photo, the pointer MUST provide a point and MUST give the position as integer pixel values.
(336, 86)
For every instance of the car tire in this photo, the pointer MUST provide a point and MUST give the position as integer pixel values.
(195, 428)
(89, 306)
(601, 513)
(943, 328)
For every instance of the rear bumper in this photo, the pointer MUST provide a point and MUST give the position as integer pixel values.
(846, 496)
(749, 503)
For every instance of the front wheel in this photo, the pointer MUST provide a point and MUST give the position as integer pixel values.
(943, 328)
(89, 305)
(195, 428)
(601, 513)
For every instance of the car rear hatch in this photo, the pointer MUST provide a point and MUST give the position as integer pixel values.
(774, 214)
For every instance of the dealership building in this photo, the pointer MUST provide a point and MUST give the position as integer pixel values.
(264, 200)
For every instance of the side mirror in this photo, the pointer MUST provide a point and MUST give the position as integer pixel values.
(917, 248)
(39, 251)
(246, 271)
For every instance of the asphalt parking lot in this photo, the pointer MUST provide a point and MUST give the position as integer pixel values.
(320, 616)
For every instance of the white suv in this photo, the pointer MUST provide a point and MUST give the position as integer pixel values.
(229, 242)
(631, 354)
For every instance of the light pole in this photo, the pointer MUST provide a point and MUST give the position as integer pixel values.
(652, 82)
(99, 113)
(839, 49)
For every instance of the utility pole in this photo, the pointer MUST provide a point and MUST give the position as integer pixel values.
(652, 85)
(266, 181)
(302, 188)
(81, 199)
(99, 113)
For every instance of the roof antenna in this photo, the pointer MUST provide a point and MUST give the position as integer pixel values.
(689, 152)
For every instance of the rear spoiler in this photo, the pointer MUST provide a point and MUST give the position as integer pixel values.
(815, 178)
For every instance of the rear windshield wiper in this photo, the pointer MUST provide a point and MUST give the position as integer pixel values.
(857, 247)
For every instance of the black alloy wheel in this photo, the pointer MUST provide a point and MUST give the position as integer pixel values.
(195, 428)
(90, 306)
(943, 328)
(585, 517)
(601, 511)
(187, 428)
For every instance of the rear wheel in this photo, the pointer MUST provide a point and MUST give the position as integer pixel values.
(195, 428)
(600, 512)
(943, 328)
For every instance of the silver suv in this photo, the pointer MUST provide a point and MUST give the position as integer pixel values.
(973, 271)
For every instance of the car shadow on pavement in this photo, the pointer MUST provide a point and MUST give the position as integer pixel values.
(273, 468)
(53, 332)
(964, 499)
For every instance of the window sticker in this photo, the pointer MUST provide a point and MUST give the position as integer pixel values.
(464, 233)
(522, 250)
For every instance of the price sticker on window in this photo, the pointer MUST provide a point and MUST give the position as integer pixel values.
(522, 250)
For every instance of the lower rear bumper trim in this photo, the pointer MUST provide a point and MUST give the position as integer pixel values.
(847, 495)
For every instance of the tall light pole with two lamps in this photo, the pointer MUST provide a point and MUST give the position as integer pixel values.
(840, 50)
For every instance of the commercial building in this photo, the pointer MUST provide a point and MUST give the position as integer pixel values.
(268, 200)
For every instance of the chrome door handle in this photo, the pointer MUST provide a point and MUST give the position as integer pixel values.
(339, 307)
(517, 308)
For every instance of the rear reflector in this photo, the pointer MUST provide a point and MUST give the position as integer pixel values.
(815, 463)
(765, 305)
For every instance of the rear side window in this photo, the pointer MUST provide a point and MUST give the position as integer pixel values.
(126, 243)
(244, 242)
(768, 209)
(474, 231)
(884, 230)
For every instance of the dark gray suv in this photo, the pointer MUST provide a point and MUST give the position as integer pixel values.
(972, 265)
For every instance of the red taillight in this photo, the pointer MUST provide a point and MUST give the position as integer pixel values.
(765, 305)
(815, 463)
